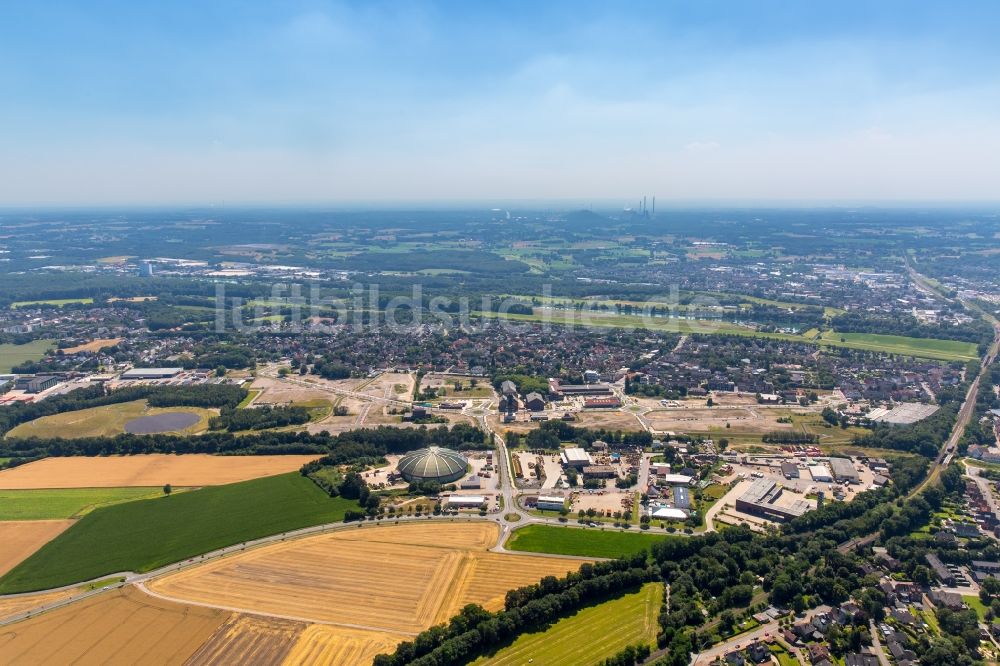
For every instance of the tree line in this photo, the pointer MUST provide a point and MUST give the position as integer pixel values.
(196, 395)
(259, 418)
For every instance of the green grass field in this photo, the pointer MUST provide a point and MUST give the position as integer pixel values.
(59, 503)
(973, 602)
(13, 355)
(147, 534)
(55, 301)
(590, 635)
(104, 421)
(251, 394)
(945, 350)
(588, 542)
(673, 325)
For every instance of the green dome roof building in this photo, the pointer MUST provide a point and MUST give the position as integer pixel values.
(433, 464)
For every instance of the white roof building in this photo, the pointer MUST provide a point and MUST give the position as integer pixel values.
(676, 479)
(667, 513)
(466, 501)
(151, 373)
(820, 473)
(576, 457)
(551, 502)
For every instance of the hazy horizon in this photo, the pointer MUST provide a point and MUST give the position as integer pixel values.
(388, 104)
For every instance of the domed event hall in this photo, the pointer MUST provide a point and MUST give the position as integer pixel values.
(434, 463)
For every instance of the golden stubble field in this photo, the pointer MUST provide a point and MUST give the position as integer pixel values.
(20, 538)
(93, 346)
(120, 627)
(190, 469)
(335, 599)
(397, 579)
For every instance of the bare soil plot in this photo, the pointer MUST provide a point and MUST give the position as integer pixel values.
(396, 579)
(610, 419)
(741, 419)
(192, 469)
(124, 626)
(21, 538)
(283, 392)
(93, 345)
(326, 645)
(250, 639)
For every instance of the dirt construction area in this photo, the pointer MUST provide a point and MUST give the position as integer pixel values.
(394, 579)
(192, 469)
(743, 419)
(21, 538)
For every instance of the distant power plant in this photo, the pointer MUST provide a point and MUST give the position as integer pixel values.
(146, 269)
(641, 209)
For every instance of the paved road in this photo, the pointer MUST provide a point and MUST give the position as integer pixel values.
(877, 648)
(772, 628)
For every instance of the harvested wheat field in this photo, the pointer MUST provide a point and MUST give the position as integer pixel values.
(397, 579)
(485, 578)
(10, 606)
(191, 469)
(21, 538)
(249, 639)
(125, 626)
(93, 345)
(326, 645)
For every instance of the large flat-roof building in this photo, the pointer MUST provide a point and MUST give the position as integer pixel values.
(559, 389)
(551, 502)
(843, 470)
(668, 513)
(600, 471)
(151, 373)
(36, 384)
(466, 501)
(761, 499)
(902, 414)
(574, 456)
(682, 498)
(820, 473)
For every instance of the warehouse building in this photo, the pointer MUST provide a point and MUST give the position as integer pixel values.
(844, 471)
(761, 499)
(36, 384)
(558, 389)
(574, 456)
(789, 470)
(682, 498)
(676, 479)
(551, 502)
(151, 373)
(820, 473)
(905, 413)
(668, 513)
(466, 501)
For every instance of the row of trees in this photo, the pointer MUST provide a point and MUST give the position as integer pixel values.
(197, 395)
(259, 418)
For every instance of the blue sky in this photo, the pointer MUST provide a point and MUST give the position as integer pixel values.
(202, 102)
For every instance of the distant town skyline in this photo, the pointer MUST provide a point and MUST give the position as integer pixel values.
(203, 103)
